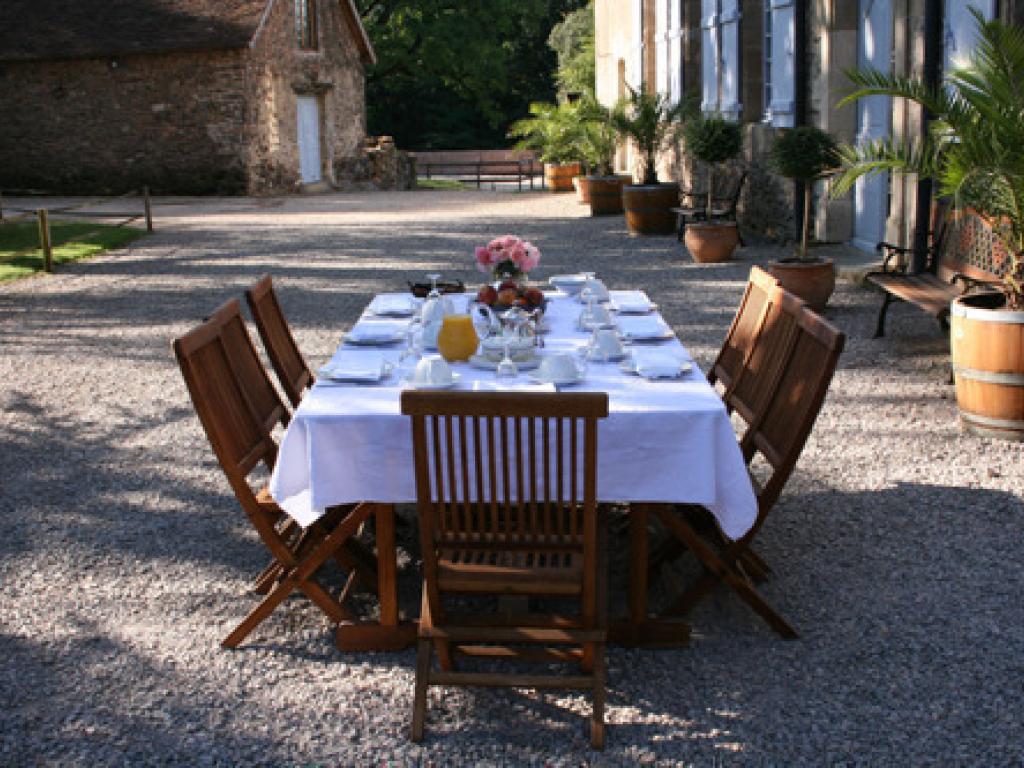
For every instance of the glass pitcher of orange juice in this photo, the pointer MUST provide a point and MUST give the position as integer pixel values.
(457, 339)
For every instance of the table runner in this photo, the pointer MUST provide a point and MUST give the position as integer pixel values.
(667, 441)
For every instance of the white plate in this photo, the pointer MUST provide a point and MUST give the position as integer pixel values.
(567, 381)
(641, 339)
(393, 306)
(485, 363)
(629, 366)
(568, 283)
(374, 342)
(445, 385)
(340, 374)
(596, 357)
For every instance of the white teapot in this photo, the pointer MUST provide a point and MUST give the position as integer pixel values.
(435, 310)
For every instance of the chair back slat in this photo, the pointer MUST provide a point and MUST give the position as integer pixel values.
(746, 324)
(782, 428)
(504, 480)
(285, 357)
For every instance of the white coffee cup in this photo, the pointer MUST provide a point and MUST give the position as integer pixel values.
(598, 290)
(600, 316)
(560, 366)
(433, 370)
(606, 342)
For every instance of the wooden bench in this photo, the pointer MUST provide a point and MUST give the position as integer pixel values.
(481, 166)
(960, 258)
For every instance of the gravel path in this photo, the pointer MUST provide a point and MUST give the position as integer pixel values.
(124, 559)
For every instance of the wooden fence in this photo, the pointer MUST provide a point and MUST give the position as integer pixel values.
(481, 166)
(71, 213)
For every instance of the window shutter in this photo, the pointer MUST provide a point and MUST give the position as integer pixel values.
(709, 57)
(960, 33)
(729, 21)
(635, 69)
(675, 51)
(783, 64)
(661, 46)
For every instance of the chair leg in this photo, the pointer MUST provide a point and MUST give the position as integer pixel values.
(597, 716)
(419, 700)
(880, 327)
(259, 613)
(267, 577)
(334, 610)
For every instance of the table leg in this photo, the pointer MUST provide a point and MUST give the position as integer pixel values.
(389, 633)
(638, 628)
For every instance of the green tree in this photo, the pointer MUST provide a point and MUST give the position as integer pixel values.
(453, 74)
(572, 40)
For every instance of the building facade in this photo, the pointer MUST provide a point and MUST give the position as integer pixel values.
(775, 64)
(185, 96)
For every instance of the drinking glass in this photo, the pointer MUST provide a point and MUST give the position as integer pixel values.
(433, 277)
(507, 368)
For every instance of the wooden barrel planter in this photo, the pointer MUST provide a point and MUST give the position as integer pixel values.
(558, 178)
(987, 346)
(606, 194)
(648, 208)
(582, 185)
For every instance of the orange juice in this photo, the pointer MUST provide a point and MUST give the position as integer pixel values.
(457, 339)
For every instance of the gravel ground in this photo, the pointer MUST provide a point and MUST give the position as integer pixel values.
(897, 546)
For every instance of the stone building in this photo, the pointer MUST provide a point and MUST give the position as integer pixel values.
(186, 96)
(772, 64)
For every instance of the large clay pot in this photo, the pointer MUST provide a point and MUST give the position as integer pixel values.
(559, 177)
(648, 208)
(987, 347)
(711, 243)
(812, 281)
(606, 194)
(582, 184)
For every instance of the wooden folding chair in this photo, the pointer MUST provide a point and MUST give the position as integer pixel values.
(288, 362)
(506, 487)
(808, 351)
(238, 432)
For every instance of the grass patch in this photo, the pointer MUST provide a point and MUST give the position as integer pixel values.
(439, 184)
(17, 261)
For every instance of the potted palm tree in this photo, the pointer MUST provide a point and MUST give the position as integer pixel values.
(601, 188)
(712, 139)
(554, 132)
(973, 153)
(805, 154)
(649, 119)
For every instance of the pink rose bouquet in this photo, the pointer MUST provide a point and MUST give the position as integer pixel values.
(507, 256)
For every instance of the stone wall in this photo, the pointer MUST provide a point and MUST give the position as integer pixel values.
(174, 122)
(379, 166)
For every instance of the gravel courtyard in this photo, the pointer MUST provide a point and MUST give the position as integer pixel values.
(124, 558)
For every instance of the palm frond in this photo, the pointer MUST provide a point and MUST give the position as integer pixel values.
(920, 157)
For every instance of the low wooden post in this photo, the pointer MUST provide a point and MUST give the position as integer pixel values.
(44, 239)
(148, 207)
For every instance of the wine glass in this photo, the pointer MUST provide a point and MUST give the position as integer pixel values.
(413, 350)
(507, 368)
(433, 277)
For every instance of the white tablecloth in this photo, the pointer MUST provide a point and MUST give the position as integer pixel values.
(663, 441)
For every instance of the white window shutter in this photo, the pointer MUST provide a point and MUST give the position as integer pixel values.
(729, 21)
(661, 46)
(675, 51)
(635, 65)
(961, 34)
(783, 64)
(709, 57)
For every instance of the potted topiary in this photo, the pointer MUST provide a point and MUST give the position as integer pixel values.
(973, 153)
(649, 120)
(602, 188)
(805, 154)
(712, 139)
(554, 132)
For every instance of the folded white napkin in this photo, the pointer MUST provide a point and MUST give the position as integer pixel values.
(511, 386)
(399, 305)
(643, 327)
(658, 364)
(368, 331)
(352, 368)
(630, 301)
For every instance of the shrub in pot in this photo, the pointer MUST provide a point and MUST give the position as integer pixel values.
(713, 140)
(973, 154)
(554, 132)
(805, 154)
(649, 120)
(602, 188)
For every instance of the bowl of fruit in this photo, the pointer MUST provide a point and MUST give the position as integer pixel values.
(510, 294)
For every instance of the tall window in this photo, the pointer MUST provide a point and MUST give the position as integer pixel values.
(767, 70)
(305, 24)
(720, 57)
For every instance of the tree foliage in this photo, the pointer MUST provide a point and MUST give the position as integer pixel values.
(453, 74)
(572, 40)
(649, 119)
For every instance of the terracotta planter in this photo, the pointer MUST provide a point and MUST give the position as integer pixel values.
(812, 281)
(987, 347)
(648, 207)
(606, 194)
(558, 178)
(711, 243)
(582, 185)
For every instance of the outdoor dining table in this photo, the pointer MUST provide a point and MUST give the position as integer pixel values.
(665, 441)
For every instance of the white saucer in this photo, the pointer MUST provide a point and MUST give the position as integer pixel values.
(628, 366)
(642, 339)
(427, 386)
(568, 381)
(596, 357)
(487, 364)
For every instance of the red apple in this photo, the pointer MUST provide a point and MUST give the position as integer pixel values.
(507, 285)
(487, 295)
(534, 296)
(507, 296)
